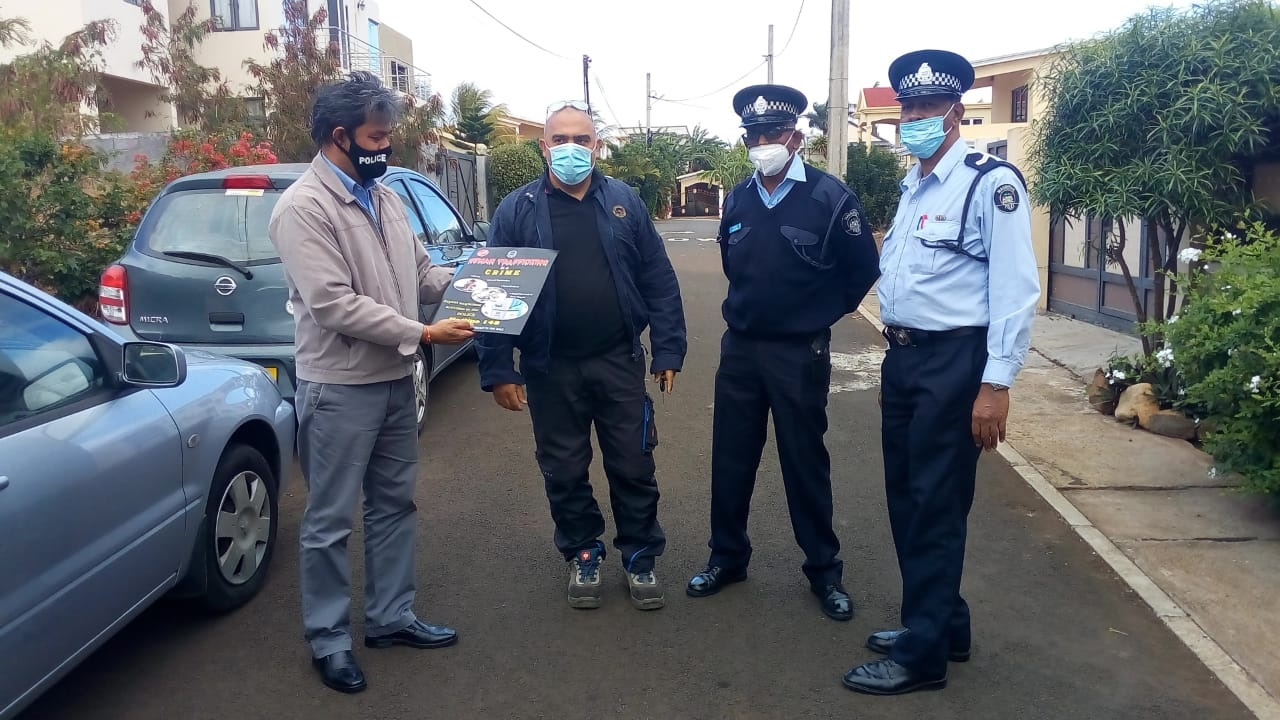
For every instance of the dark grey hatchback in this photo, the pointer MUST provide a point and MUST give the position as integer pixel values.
(201, 271)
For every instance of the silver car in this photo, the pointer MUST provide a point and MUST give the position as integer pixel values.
(128, 471)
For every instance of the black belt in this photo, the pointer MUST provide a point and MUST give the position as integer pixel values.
(909, 336)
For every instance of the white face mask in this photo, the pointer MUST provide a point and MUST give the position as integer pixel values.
(769, 159)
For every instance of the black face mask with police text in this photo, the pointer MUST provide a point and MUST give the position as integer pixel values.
(369, 164)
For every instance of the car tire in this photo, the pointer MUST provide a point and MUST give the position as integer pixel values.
(244, 499)
(421, 388)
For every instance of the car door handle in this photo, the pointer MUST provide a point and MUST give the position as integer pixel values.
(4, 482)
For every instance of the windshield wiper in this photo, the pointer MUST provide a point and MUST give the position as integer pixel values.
(215, 259)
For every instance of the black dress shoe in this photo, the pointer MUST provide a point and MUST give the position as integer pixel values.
(886, 677)
(418, 635)
(835, 601)
(713, 579)
(882, 642)
(340, 672)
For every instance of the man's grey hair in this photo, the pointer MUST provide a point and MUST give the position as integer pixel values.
(349, 104)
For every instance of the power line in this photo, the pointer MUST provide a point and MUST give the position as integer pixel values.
(793, 29)
(720, 89)
(517, 34)
(607, 104)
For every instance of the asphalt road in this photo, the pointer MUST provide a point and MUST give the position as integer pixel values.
(1056, 635)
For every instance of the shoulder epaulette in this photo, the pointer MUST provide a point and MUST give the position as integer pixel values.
(984, 163)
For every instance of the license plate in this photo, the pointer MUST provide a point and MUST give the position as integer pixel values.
(271, 371)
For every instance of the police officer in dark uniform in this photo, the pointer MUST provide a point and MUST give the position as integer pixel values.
(799, 256)
(957, 298)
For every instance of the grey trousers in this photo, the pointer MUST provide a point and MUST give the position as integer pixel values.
(353, 437)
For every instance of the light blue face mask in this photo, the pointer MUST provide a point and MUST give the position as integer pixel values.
(571, 163)
(922, 138)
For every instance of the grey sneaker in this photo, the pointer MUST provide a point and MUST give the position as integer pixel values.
(584, 579)
(646, 591)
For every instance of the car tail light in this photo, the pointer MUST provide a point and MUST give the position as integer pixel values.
(113, 295)
(247, 182)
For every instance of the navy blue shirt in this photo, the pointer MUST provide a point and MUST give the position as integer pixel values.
(795, 269)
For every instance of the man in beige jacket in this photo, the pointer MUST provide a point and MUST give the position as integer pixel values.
(356, 275)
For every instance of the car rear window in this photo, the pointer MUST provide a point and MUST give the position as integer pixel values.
(230, 223)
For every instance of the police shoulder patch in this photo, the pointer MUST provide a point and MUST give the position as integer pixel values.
(1007, 198)
(853, 222)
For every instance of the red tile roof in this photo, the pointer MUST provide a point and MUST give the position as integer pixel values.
(880, 97)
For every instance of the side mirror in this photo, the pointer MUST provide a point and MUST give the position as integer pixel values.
(153, 365)
(480, 232)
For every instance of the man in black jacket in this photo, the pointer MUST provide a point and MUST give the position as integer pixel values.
(799, 256)
(581, 358)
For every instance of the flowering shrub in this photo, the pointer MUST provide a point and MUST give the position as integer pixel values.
(66, 217)
(1158, 369)
(1226, 345)
(191, 152)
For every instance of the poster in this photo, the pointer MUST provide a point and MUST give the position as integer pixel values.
(496, 288)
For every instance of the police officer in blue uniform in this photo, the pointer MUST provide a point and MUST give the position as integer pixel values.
(958, 294)
(799, 256)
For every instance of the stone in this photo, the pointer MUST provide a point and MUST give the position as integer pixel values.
(1102, 397)
(1170, 423)
(1204, 429)
(1137, 403)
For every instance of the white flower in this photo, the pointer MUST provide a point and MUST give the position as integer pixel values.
(1165, 356)
(1231, 351)
(1172, 319)
(1189, 255)
(1118, 374)
(1182, 392)
(1255, 384)
(1226, 287)
(1228, 235)
(1213, 472)
(1237, 311)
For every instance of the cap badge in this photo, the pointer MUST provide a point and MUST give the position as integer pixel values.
(924, 75)
(761, 105)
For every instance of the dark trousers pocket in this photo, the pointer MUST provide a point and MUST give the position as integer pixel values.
(650, 426)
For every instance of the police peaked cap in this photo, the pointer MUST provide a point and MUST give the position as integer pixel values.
(930, 72)
(769, 104)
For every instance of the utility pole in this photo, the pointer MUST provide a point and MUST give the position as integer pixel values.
(769, 57)
(648, 108)
(586, 84)
(838, 105)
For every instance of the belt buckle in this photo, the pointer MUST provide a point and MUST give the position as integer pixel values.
(902, 336)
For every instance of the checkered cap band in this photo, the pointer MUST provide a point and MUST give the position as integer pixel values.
(770, 107)
(928, 78)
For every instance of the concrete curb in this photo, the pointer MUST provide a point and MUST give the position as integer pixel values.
(1215, 658)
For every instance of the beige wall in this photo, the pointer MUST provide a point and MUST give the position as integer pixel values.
(228, 49)
(53, 20)
(1002, 88)
(396, 44)
(137, 107)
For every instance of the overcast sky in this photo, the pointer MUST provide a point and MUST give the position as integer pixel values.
(693, 48)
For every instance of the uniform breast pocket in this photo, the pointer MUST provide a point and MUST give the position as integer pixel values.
(738, 234)
(934, 244)
(805, 243)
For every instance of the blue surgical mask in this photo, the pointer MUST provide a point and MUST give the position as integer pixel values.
(922, 138)
(571, 163)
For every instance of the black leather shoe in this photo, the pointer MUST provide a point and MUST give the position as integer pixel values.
(835, 601)
(886, 677)
(418, 635)
(882, 642)
(340, 672)
(713, 579)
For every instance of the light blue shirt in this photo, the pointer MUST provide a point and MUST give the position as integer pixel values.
(933, 288)
(361, 192)
(795, 174)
